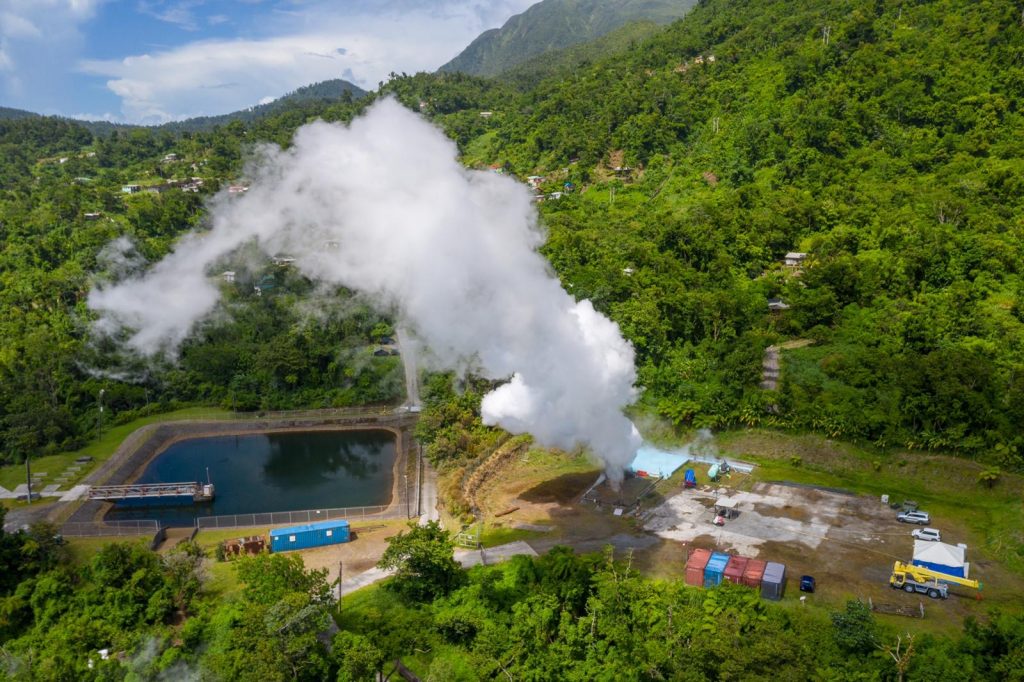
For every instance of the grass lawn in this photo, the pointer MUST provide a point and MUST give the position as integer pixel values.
(100, 449)
(84, 549)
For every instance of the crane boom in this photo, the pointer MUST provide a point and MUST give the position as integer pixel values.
(922, 575)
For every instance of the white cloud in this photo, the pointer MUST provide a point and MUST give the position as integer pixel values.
(367, 39)
(177, 13)
(38, 30)
(16, 26)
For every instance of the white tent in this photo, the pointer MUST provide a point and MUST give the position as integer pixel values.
(941, 557)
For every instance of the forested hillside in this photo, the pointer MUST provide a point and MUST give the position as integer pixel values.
(324, 92)
(878, 137)
(554, 25)
(62, 208)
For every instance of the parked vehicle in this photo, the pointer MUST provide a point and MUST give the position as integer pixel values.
(927, 534)
(807, 583)
(910, 578)
(919, 517)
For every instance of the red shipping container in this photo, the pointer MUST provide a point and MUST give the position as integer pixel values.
(755, 571)
(695, 567)
(734, 571)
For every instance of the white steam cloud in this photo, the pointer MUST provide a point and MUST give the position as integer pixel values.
(384, 207)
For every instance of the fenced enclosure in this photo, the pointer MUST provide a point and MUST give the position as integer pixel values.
(306, 516)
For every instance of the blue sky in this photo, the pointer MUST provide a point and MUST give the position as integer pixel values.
(150, 61)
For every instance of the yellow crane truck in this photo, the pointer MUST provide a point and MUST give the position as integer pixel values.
(910, 578)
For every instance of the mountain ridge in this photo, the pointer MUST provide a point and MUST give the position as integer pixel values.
(556, 24)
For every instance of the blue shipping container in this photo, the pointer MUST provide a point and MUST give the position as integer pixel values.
(715, 569)
(309, 535)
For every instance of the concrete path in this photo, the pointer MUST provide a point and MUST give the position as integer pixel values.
(428, 495)
(770, 364)
(407, 347)
(76, 493)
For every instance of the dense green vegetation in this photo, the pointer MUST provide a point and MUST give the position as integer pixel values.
(878, 137)
(126, 613)
(555, 24)
(61, 206)
(563, 62)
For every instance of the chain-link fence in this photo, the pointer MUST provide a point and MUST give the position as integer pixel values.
(110, 528)
(306, 516)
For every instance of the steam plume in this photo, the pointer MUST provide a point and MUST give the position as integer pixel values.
(383, 207)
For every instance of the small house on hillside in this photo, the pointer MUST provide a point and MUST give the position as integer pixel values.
(793, 259)
(238, 189)
(486, 114)
(93, 216)
(228, 276)
(170, 157)
(131, 189)
(535, 181)
(776, 305)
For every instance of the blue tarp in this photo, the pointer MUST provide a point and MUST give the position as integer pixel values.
(653, 462)
(691, 478)
(957, 571)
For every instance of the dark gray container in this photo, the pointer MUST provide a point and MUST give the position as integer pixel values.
(773, 584)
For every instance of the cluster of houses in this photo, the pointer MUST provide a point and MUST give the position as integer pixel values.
(189, 185)
(699, 60)
(535, 181)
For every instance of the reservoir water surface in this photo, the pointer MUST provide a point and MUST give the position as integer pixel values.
(271, 472)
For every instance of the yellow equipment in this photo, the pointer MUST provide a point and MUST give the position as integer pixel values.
(910, 578)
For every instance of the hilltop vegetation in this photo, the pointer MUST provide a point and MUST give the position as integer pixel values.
(554, 25)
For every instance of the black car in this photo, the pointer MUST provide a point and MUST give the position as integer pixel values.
(807, 583)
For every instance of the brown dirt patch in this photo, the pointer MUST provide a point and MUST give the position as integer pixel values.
(561, 490)
(359, 555)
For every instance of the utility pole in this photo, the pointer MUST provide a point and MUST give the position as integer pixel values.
(28, 477)
(341, 573)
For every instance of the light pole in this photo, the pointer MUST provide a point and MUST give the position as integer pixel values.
(28, 477)
(100, 400)
(406, 477)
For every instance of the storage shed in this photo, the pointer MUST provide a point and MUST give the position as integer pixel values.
(309, 535)
(940, 557)
(715, 570)
(734, 570)
(754, 572)
(773, 582)
(695, 566)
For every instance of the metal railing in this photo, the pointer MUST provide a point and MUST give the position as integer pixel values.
(306, 516)
(110, 528)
